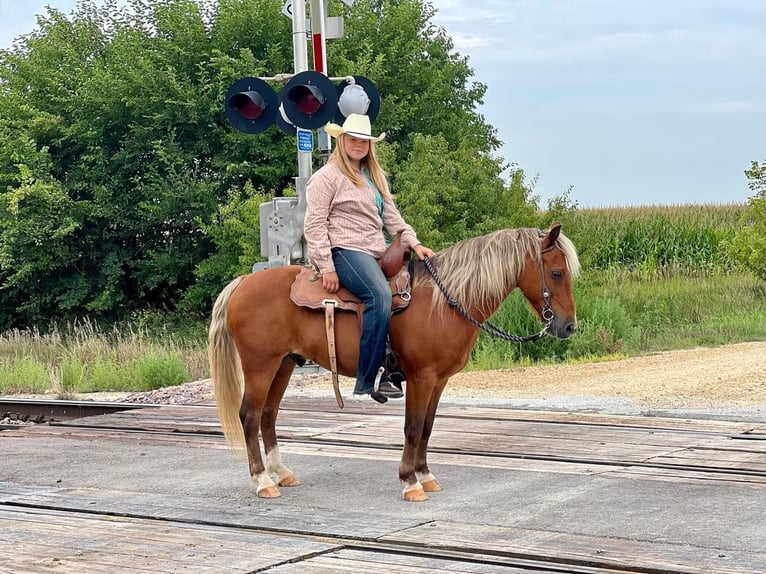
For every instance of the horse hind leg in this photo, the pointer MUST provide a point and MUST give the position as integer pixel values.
(257, 386)
(274, 464)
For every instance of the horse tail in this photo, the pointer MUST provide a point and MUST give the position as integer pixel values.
(226, 369)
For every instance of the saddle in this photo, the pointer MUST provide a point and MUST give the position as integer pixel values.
(307, 291)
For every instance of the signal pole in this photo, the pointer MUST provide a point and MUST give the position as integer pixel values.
(300, 63)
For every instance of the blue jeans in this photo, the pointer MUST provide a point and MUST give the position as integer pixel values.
(361, 274)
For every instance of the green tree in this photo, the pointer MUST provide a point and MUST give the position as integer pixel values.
(427, 87)
(448, 195)
(749, 245)
(116, 153)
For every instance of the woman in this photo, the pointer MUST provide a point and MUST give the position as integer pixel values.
(348, 207)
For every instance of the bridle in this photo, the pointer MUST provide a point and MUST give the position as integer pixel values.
(494, 330)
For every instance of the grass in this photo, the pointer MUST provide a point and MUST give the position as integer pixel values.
(654, 279)
(620, 314)
(82, 357)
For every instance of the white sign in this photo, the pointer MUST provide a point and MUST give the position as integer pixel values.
(287, 9)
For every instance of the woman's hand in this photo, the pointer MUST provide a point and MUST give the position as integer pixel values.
(330, 281)
(422, 251)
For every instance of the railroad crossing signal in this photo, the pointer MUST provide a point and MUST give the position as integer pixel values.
(251, 105)
(357, 97)
(309, 100)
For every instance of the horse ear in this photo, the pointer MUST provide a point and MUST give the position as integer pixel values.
(552, 235)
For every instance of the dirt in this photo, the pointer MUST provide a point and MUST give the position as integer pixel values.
(732, 375)
(700, 378)
(718, 381)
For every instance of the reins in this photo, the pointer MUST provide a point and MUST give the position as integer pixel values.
(488, 327)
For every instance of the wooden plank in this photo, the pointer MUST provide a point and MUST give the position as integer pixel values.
(714, 459)
(687, 476)
(581, 549)
(355, 561)
(43, 432)
(10, 491)
(447, 410)
(305, 423)
(282, 518)
(44, 541)
(587, 447)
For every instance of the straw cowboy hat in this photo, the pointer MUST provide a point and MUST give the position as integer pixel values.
(356, 125)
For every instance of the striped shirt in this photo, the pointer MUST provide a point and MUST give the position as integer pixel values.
(340, 214)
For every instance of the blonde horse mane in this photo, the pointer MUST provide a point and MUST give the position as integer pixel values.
(480, 270)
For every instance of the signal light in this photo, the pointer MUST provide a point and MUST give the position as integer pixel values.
(309, 100)
(251, 105)
(357, 97)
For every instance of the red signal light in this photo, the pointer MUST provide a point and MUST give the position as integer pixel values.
(249, 104)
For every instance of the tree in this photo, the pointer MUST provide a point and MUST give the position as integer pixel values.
(749, 245)
(121, 179)
(449, 195)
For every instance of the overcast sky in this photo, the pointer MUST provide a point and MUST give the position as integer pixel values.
(632, 102)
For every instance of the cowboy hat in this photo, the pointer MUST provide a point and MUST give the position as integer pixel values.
(356, 125)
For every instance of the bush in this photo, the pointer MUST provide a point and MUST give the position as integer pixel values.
(748, 246)
(156, 370)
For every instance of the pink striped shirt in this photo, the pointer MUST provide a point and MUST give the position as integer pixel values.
(340, 214)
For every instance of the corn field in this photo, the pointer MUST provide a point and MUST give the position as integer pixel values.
(665, 240)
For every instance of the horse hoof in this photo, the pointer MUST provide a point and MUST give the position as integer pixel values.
(290, 480)
(416, 494)
(269, 492)
(431, 485)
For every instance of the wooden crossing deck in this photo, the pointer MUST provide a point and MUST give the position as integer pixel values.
(86, 523)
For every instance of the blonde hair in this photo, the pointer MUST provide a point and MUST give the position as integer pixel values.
(370, 161)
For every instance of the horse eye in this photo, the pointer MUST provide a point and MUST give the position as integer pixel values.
(557, 273)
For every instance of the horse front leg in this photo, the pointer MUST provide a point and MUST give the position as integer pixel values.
(422, 472)
(274, 464)
(418, 398)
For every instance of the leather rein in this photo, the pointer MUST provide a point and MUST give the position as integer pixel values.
(494, 330)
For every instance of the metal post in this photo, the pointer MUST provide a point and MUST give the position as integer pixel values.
(300, 59)
(319, 45)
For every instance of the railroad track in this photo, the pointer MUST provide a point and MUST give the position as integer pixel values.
(55, 412)
(727, 454)
(40, 411)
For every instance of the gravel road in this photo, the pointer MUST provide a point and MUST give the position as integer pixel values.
(717, 382)
(727, 382)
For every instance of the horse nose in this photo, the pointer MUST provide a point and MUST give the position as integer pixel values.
(570, 328)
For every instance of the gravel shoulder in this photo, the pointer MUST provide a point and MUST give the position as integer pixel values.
(709, 382)
(727, 382)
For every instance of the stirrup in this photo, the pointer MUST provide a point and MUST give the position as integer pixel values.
(376, 395)
(392, 369)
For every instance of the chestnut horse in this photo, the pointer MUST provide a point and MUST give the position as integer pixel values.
(256, 330)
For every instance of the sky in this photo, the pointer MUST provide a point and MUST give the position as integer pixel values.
(626, 102)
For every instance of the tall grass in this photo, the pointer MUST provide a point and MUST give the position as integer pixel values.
(83, 357)
(654, 278)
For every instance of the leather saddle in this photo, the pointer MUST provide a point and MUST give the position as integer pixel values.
(307, 291)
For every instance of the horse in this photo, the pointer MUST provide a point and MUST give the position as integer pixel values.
(256, 332)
